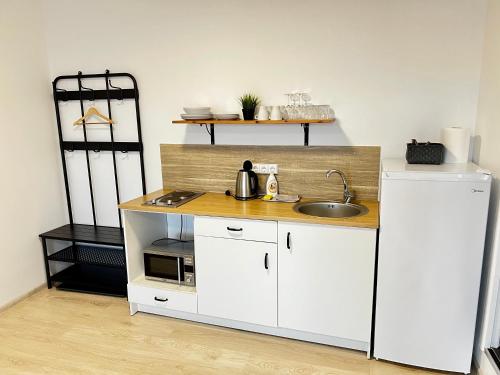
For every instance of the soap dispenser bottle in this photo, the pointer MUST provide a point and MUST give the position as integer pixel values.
(271, 185)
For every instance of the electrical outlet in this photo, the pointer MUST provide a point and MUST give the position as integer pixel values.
(256, 168)
(265, 168)
(273, 168)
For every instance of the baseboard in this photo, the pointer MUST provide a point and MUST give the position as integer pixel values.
(486, 365)
(273, 331)
(23, 296)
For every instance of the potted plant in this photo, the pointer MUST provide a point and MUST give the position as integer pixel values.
(248, 104)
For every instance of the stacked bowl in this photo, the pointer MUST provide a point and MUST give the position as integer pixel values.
(197, 113)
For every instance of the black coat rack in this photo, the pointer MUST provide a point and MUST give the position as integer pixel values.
(97, 252)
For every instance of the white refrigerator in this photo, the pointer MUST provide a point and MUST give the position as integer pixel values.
(432, 231)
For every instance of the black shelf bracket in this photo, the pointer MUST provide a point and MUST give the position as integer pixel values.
(306, 133)
(211, 132)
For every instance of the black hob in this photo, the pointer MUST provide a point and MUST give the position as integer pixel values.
(173, 199)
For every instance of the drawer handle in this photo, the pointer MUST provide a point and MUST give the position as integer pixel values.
(161, 299)
(288, 241)
(234, 229)
(266, 261)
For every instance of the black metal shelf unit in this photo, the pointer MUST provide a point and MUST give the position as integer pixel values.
(97, 253)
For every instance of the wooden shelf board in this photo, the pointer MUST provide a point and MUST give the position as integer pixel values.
(255, 122)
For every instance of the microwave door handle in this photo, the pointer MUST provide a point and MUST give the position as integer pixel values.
(179, 270)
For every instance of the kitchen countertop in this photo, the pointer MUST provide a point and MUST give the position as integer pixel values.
(218, 204)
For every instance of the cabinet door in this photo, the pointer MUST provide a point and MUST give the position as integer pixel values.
(325, 279)
(237, 279)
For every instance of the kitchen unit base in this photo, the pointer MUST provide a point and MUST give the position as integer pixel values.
(273, 331)
(238, 284)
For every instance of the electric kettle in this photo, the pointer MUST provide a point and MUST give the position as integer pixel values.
(247, 183)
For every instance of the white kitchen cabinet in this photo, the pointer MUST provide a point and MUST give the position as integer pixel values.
(237, 279)
(326, 279)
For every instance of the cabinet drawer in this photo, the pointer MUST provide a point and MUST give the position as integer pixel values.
(181, 301)
(243, 229)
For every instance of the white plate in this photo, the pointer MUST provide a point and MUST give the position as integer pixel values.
(197, 110)
(227, 116)
(206, 116)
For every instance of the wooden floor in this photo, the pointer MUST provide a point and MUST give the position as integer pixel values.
(55, 332)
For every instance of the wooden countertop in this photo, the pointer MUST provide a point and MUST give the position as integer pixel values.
(218, 204)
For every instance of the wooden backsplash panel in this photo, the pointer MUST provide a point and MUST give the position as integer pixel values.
(301, 169)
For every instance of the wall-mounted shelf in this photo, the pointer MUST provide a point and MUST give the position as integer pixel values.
(303, 122)
(255, 122)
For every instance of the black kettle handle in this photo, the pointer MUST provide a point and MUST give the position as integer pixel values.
(254, 180)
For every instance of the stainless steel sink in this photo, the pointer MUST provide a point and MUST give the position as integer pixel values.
(330, 209)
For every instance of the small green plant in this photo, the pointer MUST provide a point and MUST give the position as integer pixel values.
(249, 101)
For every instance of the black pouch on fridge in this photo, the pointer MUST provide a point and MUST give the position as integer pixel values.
(424, 153)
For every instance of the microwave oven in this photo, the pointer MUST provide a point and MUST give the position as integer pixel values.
(170, 261)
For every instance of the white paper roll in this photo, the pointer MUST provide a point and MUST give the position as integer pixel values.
(456, 141)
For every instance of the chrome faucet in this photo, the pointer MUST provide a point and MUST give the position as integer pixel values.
(347, 194)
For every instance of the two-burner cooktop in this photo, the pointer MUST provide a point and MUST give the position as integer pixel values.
(173, 199)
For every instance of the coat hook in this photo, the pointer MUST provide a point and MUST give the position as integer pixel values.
(89, 89)
(65, 96)
(116, 88)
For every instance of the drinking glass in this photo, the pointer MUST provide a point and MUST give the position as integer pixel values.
(293, 113)
(325, 112)
(304, 112)
(331, 112)
(284, 111)
(306, 98)
(312, 112)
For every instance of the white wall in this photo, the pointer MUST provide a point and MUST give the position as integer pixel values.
(487, 154)
(393, 70)
(32, 198)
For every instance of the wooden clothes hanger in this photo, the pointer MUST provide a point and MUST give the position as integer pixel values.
(93, 111)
